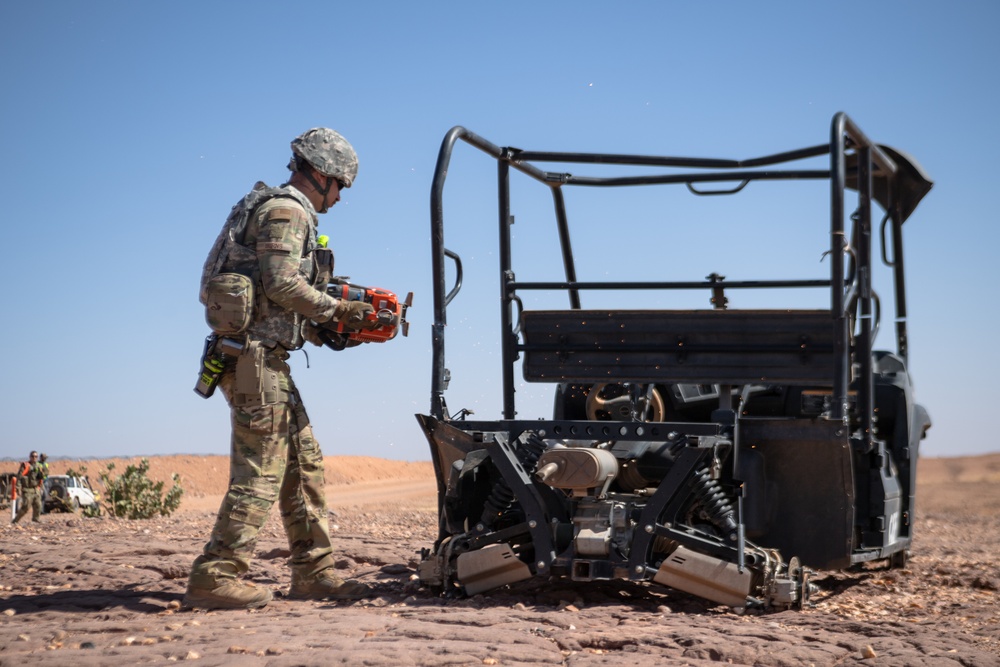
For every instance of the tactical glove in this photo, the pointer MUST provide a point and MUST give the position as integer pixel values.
(310, 332)
(353, 314)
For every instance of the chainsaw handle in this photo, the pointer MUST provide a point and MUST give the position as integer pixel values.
(332, 339)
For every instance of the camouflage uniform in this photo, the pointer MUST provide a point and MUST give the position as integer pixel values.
(274, 455)
(29, 483)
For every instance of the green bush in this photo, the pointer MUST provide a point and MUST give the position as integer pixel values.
(132, 495)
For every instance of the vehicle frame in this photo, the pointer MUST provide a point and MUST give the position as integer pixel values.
(741, 448)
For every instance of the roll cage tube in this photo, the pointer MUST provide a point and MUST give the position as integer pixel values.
(876, 172)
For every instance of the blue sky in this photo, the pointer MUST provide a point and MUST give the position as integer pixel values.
(130, 128)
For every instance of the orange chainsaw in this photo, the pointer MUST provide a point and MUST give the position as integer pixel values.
(382, 325)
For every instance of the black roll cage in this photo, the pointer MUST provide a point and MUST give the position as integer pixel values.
(876, 172)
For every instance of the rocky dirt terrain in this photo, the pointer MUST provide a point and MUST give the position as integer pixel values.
(98, 591)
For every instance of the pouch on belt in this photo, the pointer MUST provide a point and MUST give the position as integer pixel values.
(256, 384)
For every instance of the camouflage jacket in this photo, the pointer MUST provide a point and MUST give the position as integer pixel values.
(270, 236)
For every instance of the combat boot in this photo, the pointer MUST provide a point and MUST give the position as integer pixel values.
(205, 591)
(325, 585)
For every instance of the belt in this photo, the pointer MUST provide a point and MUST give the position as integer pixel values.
(265, 398)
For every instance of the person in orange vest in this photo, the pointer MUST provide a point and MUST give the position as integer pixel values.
(29, 481)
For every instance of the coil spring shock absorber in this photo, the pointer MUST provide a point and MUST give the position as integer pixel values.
(712, 503)
(501, 497)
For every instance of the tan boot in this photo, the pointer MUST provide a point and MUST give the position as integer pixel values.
(208, 592)
(325, 585)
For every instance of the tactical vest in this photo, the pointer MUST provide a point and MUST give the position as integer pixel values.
(267, 321)
(31, 476)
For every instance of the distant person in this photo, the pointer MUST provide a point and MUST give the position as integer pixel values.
(268, 247)
(29, 481)
(43, 460)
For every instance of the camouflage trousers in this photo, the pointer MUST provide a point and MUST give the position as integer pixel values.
(274, 456)
(29, 499)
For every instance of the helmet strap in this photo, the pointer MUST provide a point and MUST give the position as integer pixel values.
(323, 191)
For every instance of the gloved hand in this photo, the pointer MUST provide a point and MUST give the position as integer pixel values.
(353, 314)
(310, 332)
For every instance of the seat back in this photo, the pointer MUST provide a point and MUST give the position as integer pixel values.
(679, 346)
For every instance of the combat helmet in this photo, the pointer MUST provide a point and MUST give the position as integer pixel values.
(327, 152)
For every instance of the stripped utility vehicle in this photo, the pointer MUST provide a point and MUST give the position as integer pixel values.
(723, 452)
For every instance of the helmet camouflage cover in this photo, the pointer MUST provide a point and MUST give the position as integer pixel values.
(328, 152)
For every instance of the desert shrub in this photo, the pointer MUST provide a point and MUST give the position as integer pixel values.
(91, 511)
(132, 495)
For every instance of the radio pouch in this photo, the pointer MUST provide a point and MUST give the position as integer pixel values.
(229, 303)
(323, 258)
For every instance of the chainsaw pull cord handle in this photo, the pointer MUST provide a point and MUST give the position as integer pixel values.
(385, 318)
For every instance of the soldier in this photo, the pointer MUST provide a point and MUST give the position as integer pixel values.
(268, 249)
(29, 480)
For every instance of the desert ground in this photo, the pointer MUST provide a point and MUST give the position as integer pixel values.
(101, 591)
